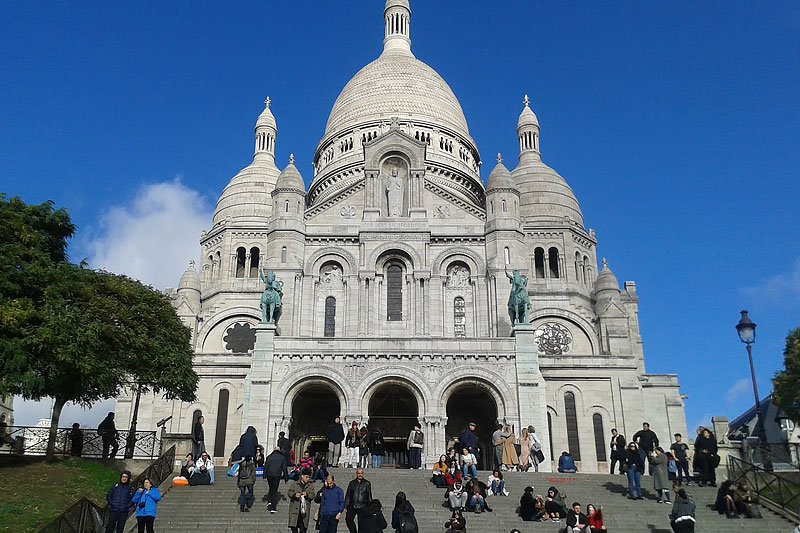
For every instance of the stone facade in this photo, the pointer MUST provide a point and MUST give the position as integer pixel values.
(394, 268)
(7, 409)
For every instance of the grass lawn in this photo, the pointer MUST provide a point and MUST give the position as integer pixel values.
(33, 493)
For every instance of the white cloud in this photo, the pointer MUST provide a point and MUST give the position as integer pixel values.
(781, 289)
(154, 236)
(737, 391)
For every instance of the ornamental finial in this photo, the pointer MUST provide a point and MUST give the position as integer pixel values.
(267, 102)
(605, 263)
(291, 159)
(526, 100)
(499, 157)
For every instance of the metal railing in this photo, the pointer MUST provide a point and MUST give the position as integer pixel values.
(85, 516)
(772, 456)
(32, 440)
(776, 492)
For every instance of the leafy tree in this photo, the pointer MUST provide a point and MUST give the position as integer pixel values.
(786, 393)
(76, 334)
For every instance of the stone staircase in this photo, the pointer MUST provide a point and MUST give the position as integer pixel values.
(214, 509)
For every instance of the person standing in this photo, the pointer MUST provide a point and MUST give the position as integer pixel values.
(284, 445)
(248, 443)
(537, 456)
(647, 441)
(245, 480)
(469, 440)
(331, 500)
(76, 439)
(509, 459)
(351, 445)
(680, 450)
(377, 447)
(356, 499)
(658, 460)
(199, 437)
(107, 431)
(275, 469)
(705, 453)
(524, 450)
(497, 446)
(301, 494)
(634, 466)
(415, 444)
(617, 451)
(363, 447)
(145, 499)
(335, 436)
(119, 500)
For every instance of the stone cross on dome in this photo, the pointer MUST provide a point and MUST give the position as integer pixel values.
(291, 159)
(268, 102)
(499, 157)
(526, 100)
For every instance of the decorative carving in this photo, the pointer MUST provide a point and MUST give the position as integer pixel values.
(441, 211)
(553, 338)
(240, 338)
(394, 194)
(432, 373)
(332, 277)
(348, 211)
(354, 372)
(458, 277)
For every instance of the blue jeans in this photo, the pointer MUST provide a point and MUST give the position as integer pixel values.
(328, 523)
(243, 493)
(467, 469)
(498, 487)
(376, 460)
(476, 502)
(634, 482)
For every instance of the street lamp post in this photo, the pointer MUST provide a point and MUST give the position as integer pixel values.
(746, 329)
(130, 442)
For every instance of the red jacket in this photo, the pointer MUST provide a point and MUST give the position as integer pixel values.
(595, 520)
(452, 477)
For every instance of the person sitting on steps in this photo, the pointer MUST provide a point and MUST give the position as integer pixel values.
(439, 470)
(497, 485)
(566, 463)
(576, 520)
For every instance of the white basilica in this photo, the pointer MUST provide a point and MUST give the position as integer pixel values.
(393, 262)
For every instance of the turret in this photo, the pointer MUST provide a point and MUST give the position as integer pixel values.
(606, 288)
(266, 132)
(528, 132)
(397, 27)
(502, 199)
(288, 200)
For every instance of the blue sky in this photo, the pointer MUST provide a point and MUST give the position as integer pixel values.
(676, 124)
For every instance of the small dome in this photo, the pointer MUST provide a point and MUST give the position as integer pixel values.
(190, 279)
(500, 177)
(544, 194)
(290, 178)
(397, 3)
(266, 118)
(247, 195)
(527, 117)
(606, 280)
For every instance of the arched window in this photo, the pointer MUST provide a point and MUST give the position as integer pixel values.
(240, 258)
(507, 255)
(599, 437)
(222, 423)
(503, 205)
(571, 414)
(552, 259)
(583, 270)
(330, 317)
(284, 254)
(394, 293)
(538, 262)
(459, 317)
(286, 206)
(255, 258)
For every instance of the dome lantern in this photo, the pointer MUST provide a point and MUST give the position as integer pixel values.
(528, 131)
(266, 131)
(397, 27)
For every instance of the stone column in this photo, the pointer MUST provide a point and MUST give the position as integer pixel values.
(258, 383)
(531, 388)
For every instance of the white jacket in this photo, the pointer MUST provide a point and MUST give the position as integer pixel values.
(209, 464)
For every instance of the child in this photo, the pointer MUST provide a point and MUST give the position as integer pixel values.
(672, 467)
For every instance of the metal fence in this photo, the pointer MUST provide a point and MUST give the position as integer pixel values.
(775, 491)
(87, 517)
(32, 440)
(781, 456)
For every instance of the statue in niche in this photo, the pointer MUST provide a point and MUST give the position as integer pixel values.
(332, 277)
(458, 278)
(394, 194)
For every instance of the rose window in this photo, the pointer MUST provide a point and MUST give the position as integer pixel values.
(553, 338)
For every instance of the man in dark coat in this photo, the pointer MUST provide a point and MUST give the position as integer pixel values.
(119, 503)
(107, 431)
(335, 436)
(284, 445)
(647, 441)
(274, 470)
(248, 442)
(617, 450)
(576, 520)
(469, 440)
(199, 437)
(356, 499)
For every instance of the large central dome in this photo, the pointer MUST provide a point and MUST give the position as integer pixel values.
(396, 85)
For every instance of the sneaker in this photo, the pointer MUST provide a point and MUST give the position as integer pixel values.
(505, 492)
(660, 501)
(272, 511)
(269, 505)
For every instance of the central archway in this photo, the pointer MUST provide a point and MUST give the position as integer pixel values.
(313, 409)
(472, 402)
(393, 409)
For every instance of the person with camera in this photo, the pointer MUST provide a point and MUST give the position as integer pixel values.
(146, 499)
(119, 503)
(456, 523)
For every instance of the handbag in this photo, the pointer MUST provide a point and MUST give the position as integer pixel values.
(715, 460)
(259, 471)
(234, 470)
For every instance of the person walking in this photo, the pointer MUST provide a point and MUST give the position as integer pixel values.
(403, 518)
(682, 519)
(199, 437)
(335, 436)
(356, 499)
(284, 445)
(248, 443)
(634, 466)
(371, 519)
(245, 480)
(617, 451)
(119, 500)
(108, 433)
(301, 494)
(415, 444)
(331, 500)
(275, 470)
(146, 499)
(377, 447)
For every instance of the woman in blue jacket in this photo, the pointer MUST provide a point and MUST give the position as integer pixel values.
(145, 500)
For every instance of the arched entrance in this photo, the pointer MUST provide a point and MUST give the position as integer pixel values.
(313, 409)
(393, 409)
(472, 402)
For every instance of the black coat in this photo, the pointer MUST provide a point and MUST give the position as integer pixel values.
(371, 519)
(335, 433)
(358, 495)
(284, 445)
(275, 466)
(527, 506)
(376, 444)
(198, 435)
(619, 454)
(248, 442)
(646, 439)
(633, 459)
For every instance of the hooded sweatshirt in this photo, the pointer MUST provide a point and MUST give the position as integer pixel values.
(120, 495)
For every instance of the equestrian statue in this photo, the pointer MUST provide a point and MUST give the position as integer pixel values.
(518, 300)
(271, 298)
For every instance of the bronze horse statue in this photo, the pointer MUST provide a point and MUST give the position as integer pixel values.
(518, 300)
(271, 298)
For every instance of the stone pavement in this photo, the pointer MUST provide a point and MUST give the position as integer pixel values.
(214, 509)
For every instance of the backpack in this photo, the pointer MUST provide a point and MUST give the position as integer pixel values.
(244, 473)
(408, 522)
(418, 437)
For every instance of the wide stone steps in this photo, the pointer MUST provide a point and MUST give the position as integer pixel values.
(214, 509)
